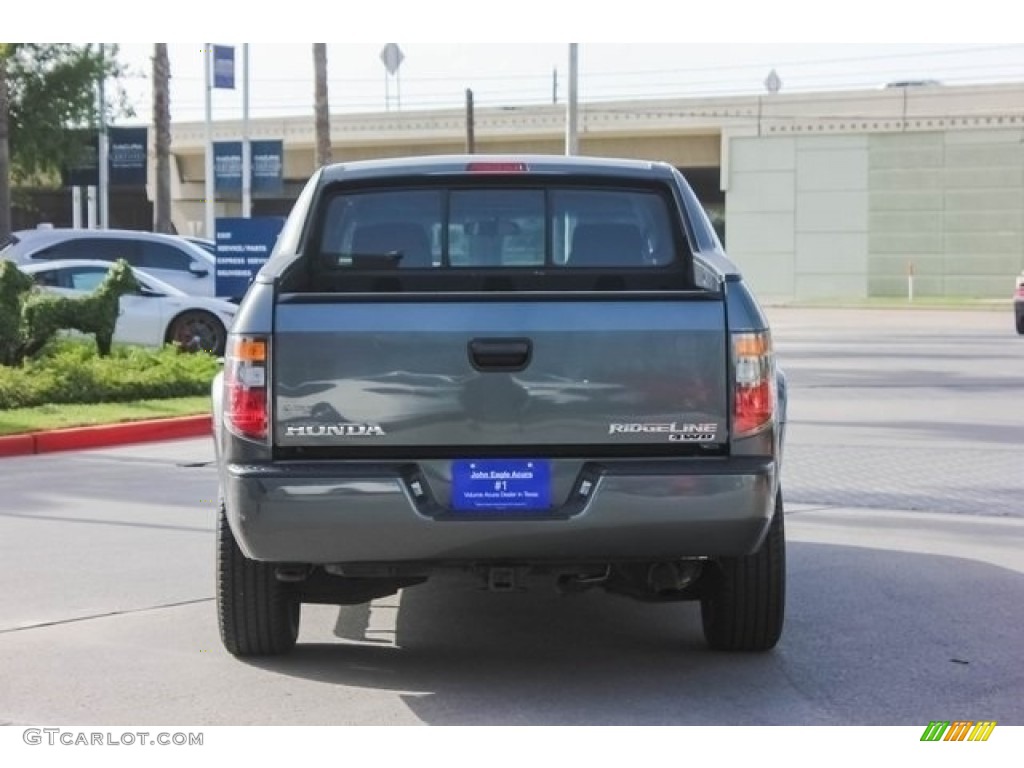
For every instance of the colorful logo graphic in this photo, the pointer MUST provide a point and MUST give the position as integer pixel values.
(958, 730)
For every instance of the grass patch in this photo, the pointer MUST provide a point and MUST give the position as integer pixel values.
(69, 385)
(19, 420)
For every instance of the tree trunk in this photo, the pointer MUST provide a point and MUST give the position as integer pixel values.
(5, 155)
(162, 128)
(320, 108)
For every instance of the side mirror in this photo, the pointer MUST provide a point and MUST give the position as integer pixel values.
(197, 269)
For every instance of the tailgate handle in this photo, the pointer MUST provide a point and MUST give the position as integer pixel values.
(500, 354)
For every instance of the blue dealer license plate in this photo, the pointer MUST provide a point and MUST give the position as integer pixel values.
(493, 484)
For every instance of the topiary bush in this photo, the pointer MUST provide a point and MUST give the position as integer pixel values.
(43, 314)
(15, 285)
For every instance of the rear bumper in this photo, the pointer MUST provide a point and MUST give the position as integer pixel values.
(353, 512)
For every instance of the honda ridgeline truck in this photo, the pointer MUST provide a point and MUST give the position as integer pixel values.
(525, 368)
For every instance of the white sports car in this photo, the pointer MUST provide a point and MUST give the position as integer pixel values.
(157, 315)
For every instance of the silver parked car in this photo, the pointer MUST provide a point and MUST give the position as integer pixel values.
(172, 259)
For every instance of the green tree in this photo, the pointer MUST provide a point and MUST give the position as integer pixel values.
(48, 89)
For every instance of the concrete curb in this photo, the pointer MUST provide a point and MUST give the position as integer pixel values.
(105, 435)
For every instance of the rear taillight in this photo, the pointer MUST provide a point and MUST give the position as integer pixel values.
(245, 387)
(755, 398)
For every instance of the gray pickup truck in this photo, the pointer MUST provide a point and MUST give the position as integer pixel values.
(535, 368)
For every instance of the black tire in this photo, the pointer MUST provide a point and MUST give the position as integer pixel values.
(1020, 324)
(258, 614)
(743, 608)
(198, 330)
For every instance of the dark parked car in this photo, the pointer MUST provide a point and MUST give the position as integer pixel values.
(1018, 303)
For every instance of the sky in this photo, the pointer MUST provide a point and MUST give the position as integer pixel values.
(434, 75)
(507, 53)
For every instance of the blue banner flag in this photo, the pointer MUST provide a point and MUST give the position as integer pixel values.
(227, 168)
(127, 156)
(266, 178)
(267, 162)
(223, 66)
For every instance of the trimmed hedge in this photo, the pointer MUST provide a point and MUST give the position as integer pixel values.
(72, 372)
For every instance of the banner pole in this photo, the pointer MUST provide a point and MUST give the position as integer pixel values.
(246, 145)
(209, 190)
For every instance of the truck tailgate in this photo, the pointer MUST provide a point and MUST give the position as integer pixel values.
(446, 373)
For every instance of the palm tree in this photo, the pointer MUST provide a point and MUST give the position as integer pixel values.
(162, 128)
(320, 109)
(5, 157)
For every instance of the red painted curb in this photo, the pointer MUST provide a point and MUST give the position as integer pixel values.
(17, 445)
(106, 435)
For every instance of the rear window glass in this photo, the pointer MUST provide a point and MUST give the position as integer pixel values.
(484, 227)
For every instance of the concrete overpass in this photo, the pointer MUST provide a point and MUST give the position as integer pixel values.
(820, 195)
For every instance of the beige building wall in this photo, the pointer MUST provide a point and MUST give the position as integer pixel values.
(796, 215)
(851, 216)
(760, 213)
(951, 204)
(832, 216)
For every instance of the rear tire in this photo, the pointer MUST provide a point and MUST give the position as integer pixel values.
(1020, 324)
(743, 609)
(257, 614)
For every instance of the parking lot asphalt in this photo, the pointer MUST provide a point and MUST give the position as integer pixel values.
(909, 410)
(905, 557)
(107, 616)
